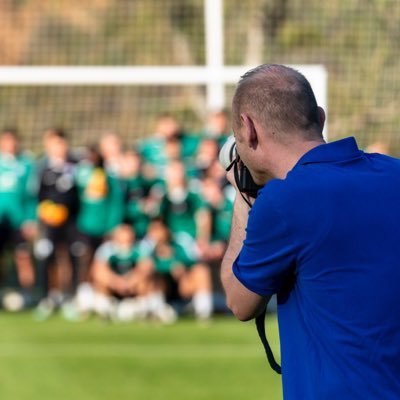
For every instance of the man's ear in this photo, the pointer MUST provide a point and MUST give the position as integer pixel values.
(322, 117)
(250, 130)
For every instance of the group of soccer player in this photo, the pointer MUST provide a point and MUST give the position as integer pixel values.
(121, 230)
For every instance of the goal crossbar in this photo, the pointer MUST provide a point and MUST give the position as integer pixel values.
(214, 78)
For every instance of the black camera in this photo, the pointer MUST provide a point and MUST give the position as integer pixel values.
(229, 158)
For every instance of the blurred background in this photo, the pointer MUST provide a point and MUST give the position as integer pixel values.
(114, 210)
(356, 41)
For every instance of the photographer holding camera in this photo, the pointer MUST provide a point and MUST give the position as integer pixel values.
(322, 233)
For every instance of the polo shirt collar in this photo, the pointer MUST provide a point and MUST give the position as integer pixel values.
(339, 150)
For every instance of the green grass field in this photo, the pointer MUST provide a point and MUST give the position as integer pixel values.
(96, 360)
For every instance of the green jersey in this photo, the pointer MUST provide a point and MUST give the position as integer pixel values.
(190, 144)
(221, 216)
(167, 256)
(153, 151)
(179, 211)
(120, 261)
(18, 189)
(219, 138)
(101, 200)
(135, 193)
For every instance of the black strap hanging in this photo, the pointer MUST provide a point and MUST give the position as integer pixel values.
(260, 324)
(237, 180)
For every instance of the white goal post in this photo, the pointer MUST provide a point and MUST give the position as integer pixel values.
(214, 78)
(214, 75)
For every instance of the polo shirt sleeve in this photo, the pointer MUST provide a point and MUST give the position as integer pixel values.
(267, 257)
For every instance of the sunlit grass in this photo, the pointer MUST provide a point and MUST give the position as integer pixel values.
(57, 359)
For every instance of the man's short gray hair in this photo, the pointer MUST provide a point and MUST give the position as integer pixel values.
(280, 99)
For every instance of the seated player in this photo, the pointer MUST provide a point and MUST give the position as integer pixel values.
(121, 272)
(183, 277)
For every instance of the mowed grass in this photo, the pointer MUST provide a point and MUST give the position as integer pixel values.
(95, 360)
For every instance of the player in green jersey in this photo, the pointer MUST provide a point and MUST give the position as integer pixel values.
(122, 272)
(183, 277)
(206, 155)
(187, 217)
(183, 209)
(111, 150)
(220, 205)
(100, 211)
(155, 149)
(18, 188)
(101, 199)
(217, 127)
(168, 143)
(142, 194)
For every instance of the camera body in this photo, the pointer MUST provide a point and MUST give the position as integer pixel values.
(229, 157)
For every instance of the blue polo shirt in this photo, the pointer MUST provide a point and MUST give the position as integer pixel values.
(326, 239)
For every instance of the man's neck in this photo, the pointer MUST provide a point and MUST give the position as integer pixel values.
(290, 159)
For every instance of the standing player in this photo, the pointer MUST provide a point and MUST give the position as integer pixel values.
(168, 143)
(100, 211)
(217, 127)
(17, 205)
(187, 217)
(184, 211)
(100, 200)
(140, 200)
(156, 150)
(57, 211)
(220, 205)
(111, 150)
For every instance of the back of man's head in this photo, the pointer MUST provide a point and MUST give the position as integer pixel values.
(280, 99)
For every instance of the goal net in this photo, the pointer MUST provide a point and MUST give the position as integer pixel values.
(355, 41)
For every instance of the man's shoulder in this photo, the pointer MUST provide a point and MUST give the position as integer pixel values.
(280, 190)
(298, 190)
(272, 200)
(307, 187)
(384, 160)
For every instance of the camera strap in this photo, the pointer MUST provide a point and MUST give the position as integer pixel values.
(260, 320)
(260, 324)
(234, 164)
(237, 180)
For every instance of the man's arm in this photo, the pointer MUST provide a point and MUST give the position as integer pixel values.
(244, 303)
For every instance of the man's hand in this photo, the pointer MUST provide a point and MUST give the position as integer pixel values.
(231, 179)
(244, 303)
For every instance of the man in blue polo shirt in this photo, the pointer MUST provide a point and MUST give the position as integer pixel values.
(323, 234)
